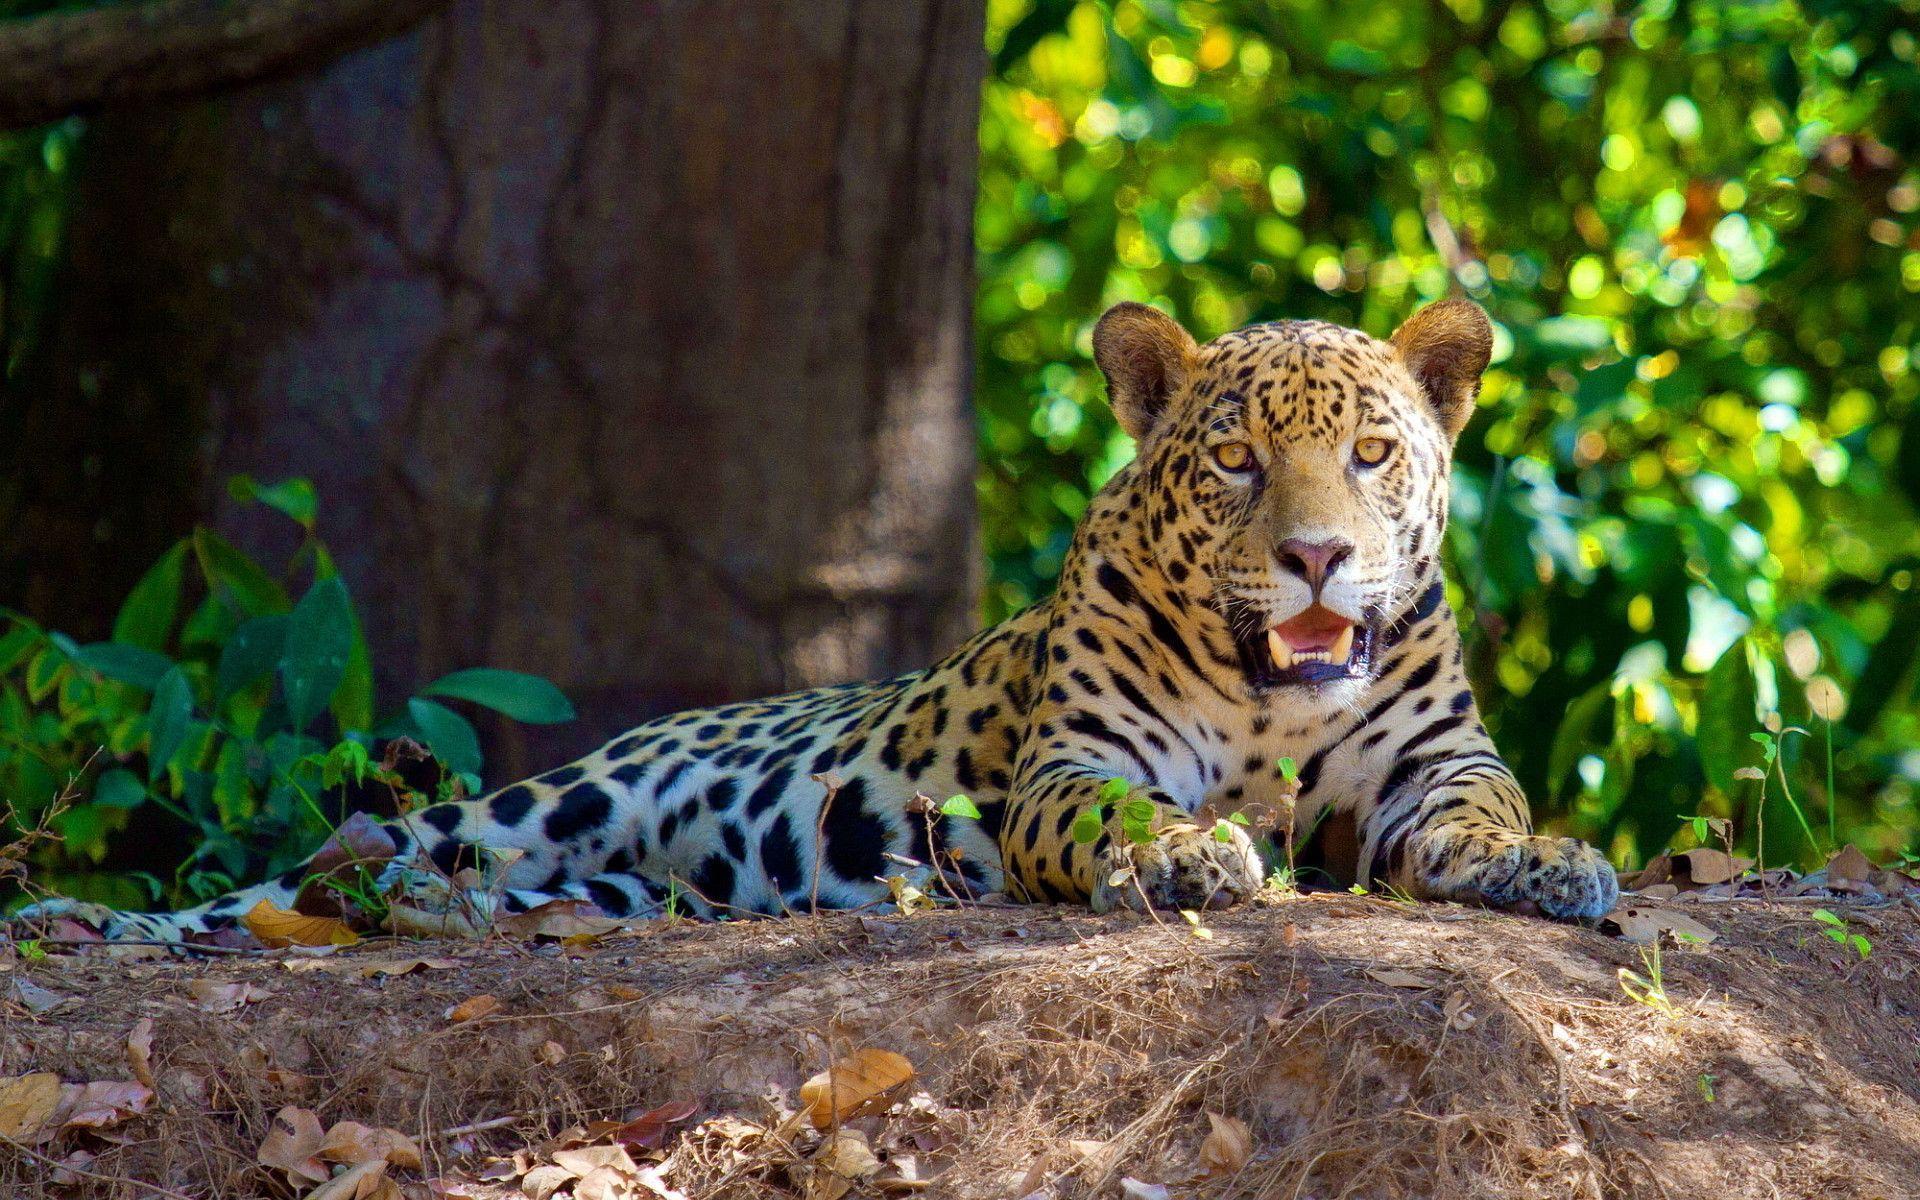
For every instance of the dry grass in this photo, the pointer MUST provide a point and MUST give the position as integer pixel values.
(1375, 1050)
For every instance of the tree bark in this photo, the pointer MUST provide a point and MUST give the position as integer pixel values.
(628, 344)
(65, 62)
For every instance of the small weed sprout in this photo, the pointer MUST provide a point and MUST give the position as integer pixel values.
(1649, 989)
(1835, 928)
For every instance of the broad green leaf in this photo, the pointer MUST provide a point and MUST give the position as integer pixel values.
(253, 651)
(126, 664)
(319, 642)
(236, 578)
(119, 788)
(526, 698)
(447, 734)
(146, 618)
(1728, 717)
(960, 806)
(353, 703)
(1115, 790)
(1088, 825)
(168, 720)
(294, 497)
(1577, 735)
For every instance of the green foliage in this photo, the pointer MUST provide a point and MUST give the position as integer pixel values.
(221, 714)
(1696, 229)
(1835, 928)
(960, 806)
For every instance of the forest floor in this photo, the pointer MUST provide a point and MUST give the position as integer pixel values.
(1322, 1046)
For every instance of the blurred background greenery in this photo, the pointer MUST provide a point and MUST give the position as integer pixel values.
(1684, 518)
(1688, 500)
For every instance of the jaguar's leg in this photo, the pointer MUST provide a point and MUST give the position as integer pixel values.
(1459, 830)
(1182, 866)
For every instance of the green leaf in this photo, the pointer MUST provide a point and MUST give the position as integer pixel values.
(146, 618)
(1576, 735)
(1727, 716)
(126, 664)
(319, 641)
(960, 806)
(1088, 826)
(1115, 790)
(353, 703)
(1289, 770)
(236, 578)
(1136, 821)
(294, 497)
(254, 650)
(1827, 918)
(119, 788)
(168, 720)
(526, 698)
(1222, 832)
(1239, 818)
(447, 734)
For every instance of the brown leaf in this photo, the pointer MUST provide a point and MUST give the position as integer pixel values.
(473, 1008)
(544, 1181)
(359, 843)
(32, 997)
(291, 1144)
(560, 919)
(367, 1181)
(26, 1102)
(861, 1082)
(101, 1103)
(406, 966)
(1849, 866)
(278, 928)
(456, 921)
(1135, 1189)
(649, 1129)
(1659, 869)
(140, 1050)
(352, 1143)
(1645, 923)
(224, 997)
(1228, 1145)
(552, 1053)
(1706, 866)
(584, 1160)
(1394, 977)
(1459, 1016)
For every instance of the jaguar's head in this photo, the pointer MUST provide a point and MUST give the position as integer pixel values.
(1292, 476)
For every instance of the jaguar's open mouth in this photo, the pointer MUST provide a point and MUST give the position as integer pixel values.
(1312, 647)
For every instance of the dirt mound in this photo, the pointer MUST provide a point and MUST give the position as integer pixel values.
(1371, 1049)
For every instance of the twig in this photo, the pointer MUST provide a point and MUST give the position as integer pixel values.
(832, 784)
(57, 1165)
(476, 1127)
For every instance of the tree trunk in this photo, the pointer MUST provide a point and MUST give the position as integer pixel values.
(626, 343)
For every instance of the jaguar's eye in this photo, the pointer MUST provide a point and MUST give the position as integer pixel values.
(1372, 451)
(1233, 456)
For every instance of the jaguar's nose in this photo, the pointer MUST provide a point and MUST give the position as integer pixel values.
(1313, 561)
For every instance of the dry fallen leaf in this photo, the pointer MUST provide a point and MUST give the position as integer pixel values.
(859, 1083)
(1394, 977)
(1706, 866)
(278, 928)
(1459, 1016)
(352, 1143)
(1228, 1145)
(101, 1103)
(560, 919)
(1849, 866)
(224, 997)
(292, 1143)
(140, 1050)
(26, 1101)
(842, 1161)
(473, 1008)
(407, 966)
(1645, 923)
(544, 1181)
(368, 1181)
(1137, 1190)
(649, 1129)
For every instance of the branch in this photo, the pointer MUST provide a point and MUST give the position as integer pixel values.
(67, 62)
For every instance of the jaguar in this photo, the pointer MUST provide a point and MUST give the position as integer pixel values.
(1252, 611)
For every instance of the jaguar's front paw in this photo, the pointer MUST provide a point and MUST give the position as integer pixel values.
(1184, 866)
(1565, 878)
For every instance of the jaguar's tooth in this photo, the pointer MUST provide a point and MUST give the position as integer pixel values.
(1277, 646)
(1343, 646)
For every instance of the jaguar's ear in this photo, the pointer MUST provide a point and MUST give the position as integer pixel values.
(1446, 346)
(1147, 358)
